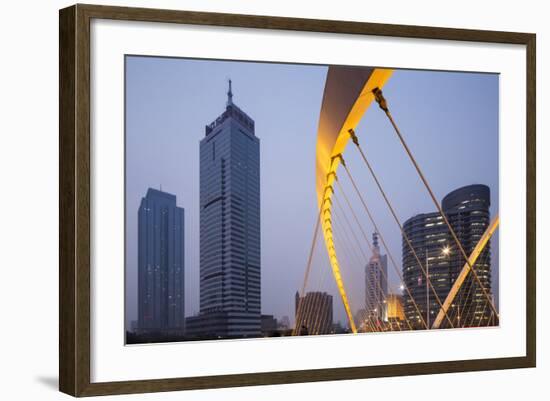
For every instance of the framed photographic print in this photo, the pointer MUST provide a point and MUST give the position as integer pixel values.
(250, 200)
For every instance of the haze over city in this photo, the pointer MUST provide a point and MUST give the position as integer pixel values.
(450, 121)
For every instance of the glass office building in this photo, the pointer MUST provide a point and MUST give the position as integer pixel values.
(230, 265)
(467, 210)
(160, 263)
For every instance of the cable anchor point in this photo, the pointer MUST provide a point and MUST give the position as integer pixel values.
(353, 136)
(336, 157)
(380, 99)
(332, 173)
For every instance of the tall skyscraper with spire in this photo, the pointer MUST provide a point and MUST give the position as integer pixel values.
(230, 264)
(376, 285)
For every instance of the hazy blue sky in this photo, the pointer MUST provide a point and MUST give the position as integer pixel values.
(450, 121)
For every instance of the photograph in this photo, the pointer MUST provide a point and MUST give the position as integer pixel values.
(270, 201)
(274, 200)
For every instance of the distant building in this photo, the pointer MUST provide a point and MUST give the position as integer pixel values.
(284, 323)
(269, 325)
(394, 312)
(362, 321)
(376, 285)
(467, 210)
(230, 260)
(160, 263)
(338, 328)
(313, 313)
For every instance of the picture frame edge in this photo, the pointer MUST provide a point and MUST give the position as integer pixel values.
(74, 198)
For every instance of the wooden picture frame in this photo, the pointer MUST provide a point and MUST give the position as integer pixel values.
(74, 199)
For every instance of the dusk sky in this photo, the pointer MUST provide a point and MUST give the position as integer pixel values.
(450, 121)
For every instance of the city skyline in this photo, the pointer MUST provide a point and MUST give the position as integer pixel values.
(294, 261)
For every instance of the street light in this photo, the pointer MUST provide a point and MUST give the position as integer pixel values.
(445, 251)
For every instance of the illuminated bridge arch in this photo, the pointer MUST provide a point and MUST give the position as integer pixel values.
(347, 96)
(349, 92)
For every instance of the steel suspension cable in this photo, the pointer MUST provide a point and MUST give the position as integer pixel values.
(366, 259)
(478, 263)
(332, 249)
(315, 301)
(470, 304)
(384, 107)
(356, 254)
(373, 222)
(307, 272)
(374, 326)
(318, 306)
(388, 203)
(483, 312)
(491, 317)
(349, 261)
(455, 312)
(371, 247)
(464, 294)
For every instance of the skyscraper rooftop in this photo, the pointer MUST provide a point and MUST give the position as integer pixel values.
(231, 110)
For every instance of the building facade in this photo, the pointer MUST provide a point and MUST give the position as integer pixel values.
(467, 210)
(230, 267)
(376, 284)
(313, 313)
(394, 318)
(161, 282)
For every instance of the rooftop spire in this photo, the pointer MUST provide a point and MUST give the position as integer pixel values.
(229, 94)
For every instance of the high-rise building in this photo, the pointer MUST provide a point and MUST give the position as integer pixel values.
(160, 263)
(313, 313)
(467, 210)
(229, 228)
(376, 285)
(428, 235)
